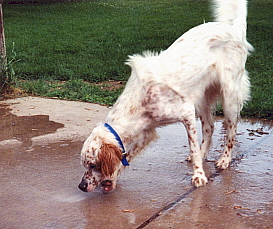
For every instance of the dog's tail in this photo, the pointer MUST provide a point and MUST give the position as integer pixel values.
(234, 13)
(231, 11)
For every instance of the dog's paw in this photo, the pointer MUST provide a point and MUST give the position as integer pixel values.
(223, 163)
(199, 180)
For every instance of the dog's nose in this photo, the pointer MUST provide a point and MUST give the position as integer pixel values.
(83, 185)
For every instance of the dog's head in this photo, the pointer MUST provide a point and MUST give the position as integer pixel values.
(101, 156)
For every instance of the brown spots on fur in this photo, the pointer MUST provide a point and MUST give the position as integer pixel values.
(213, 65)
(181, 40)
(88, 174)
(132, 110)
(134, 149)
(95, 182)
(196, 179)
(190, 139)
(212, 40)
(196, 167)
(230, 146)
(216, 42)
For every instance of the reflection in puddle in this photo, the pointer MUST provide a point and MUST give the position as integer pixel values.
(70, 197)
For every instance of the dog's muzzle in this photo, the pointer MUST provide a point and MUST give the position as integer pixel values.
(106, 186)
(85, 186)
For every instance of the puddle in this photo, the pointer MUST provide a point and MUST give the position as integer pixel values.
(39, 182)
(22, 128)
(239, 197)
(39, 186)
(70, 197)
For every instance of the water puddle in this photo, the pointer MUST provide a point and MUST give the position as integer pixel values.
(39, 181)
(23, 128)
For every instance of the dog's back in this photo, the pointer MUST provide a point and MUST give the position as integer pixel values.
(209, 58)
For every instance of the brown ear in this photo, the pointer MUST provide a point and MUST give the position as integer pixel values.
(109, 157)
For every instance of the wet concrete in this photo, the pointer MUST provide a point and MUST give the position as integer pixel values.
(40, 140)
(24, 128)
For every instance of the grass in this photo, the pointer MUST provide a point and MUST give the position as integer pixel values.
(92, 41)
(82, 42)
(75, 89)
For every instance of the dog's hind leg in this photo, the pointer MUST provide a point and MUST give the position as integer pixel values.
(235, 89)
(231, 109)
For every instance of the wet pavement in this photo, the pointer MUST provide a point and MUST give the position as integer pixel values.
(40, 140)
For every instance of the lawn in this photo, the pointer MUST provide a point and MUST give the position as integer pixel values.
(64, 49)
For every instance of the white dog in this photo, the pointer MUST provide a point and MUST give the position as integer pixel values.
(204, 64)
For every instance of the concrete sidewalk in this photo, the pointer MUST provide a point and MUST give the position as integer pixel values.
(40, 141)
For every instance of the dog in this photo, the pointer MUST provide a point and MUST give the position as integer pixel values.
(205, 64)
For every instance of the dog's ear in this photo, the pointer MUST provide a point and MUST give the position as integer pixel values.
(109, 157)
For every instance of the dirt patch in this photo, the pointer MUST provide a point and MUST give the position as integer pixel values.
(16, 92)
(11, 93)
(111, 85)
(108, 85)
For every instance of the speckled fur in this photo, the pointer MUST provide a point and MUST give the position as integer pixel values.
(204, 64)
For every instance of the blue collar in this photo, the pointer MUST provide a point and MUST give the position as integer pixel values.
(124, 154)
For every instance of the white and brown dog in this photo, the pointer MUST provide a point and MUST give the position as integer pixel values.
(204, 64)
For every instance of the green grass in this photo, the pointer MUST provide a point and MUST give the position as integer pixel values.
(89, 41)
(75, 89)
(260, 63)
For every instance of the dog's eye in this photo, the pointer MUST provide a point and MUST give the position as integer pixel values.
(95, 167)
(92, 166)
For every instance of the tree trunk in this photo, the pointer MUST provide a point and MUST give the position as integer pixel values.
(3, 58)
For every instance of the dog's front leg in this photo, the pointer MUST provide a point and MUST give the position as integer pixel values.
(199, 178)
